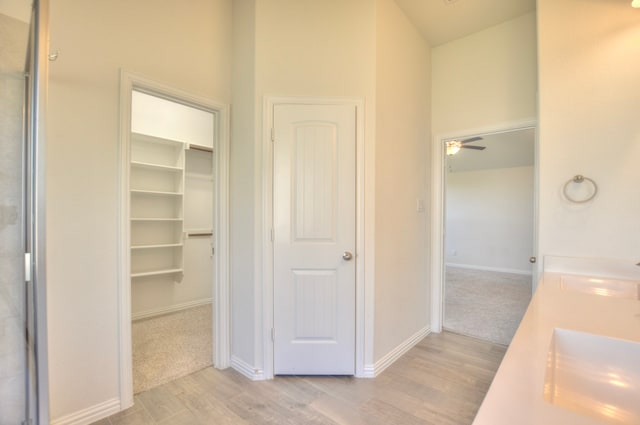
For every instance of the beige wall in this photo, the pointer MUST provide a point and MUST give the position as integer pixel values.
(487, 79)
(315, 48)
(188, 48)
(490, 218)
(403, 61)
(244, 185)
(589, 104)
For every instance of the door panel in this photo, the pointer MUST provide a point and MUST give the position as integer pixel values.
(314, 182)
(315, 305)
(314, 224)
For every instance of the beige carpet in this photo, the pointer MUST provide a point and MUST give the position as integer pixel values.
(485, 305)
(170, 346)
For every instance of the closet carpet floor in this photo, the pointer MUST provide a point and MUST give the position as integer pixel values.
(485, 304)
(171, 346)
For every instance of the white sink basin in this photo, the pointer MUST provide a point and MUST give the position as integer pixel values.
(594, 375)
(618, 288)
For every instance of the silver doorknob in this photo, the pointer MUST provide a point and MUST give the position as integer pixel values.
(347, 256)
(532, 260)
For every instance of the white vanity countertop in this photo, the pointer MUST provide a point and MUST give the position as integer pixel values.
(516, 394)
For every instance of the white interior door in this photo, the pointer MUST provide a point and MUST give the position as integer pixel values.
(314, 239)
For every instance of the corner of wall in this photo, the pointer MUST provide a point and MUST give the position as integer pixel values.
(402, 128)
(243, 208)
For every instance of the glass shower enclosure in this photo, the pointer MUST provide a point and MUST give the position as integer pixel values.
(23, 370)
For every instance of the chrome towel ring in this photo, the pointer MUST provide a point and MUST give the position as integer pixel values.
(579, 179)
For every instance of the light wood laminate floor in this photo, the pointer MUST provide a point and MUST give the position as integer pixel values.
(441, 381)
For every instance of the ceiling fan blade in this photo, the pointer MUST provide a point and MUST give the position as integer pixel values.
(478, 148)
(472, 139)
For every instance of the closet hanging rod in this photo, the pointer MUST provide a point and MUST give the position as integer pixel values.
(193, 235)
(200, 148)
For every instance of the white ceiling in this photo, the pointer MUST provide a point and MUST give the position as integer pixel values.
(503, 150)
(441, 21)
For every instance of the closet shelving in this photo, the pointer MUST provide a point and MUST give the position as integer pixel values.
(156, 206)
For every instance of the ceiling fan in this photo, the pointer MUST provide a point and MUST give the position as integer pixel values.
(454, 146)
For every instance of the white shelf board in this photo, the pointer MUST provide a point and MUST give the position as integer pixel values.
(154, 192)
(200, 148)
(153, 139)
(154, 219)
(156, 272)
(198, 230)
(168, 245)
(154, 166)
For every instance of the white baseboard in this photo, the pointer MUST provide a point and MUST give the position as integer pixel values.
(397, 352)
(171, 309)
(90, 414)
(369, 371)
(489, 269)
(246, 369)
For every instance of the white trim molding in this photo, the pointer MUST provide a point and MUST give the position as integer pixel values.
(364, 276)
(246, 369)
(220, 285)
(369, 371)
(170, 309)
(388, 359)
(90, 414)
(437, 206)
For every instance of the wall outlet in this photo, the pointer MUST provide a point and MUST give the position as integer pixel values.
(420, 205)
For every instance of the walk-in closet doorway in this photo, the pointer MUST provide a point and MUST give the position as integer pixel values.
(174, 285)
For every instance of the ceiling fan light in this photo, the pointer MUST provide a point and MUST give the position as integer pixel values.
(453, 147)
(636, 4)
(452, 150)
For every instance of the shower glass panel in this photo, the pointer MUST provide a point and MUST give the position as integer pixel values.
(19, 381)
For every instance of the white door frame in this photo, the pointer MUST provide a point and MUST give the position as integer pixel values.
(364, 286)
(221, 312)
(438, 213)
